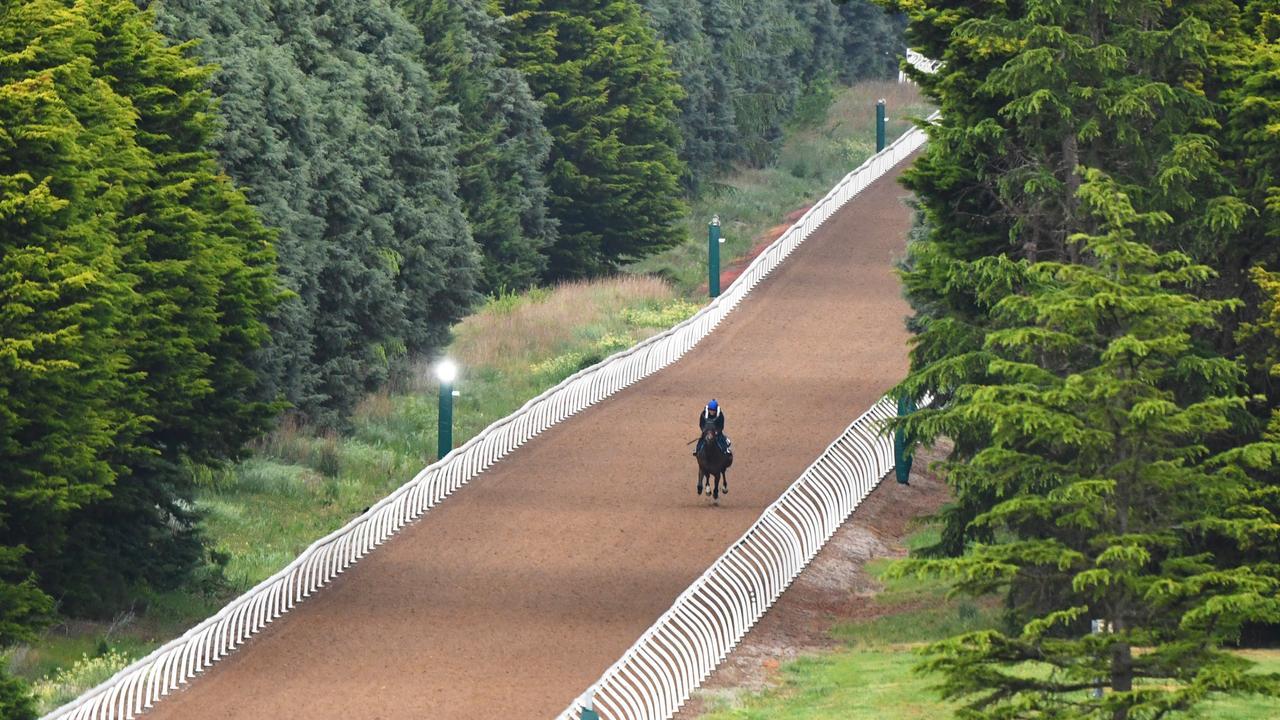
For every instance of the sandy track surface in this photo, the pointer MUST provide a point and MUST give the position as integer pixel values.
(517, 592)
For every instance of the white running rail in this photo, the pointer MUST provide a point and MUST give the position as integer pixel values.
(919, 62)
(657, 674)
(138, 686)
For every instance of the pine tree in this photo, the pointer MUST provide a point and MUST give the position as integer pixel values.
(333, 124)
(503, 146)
(1099, 409)
(610, 104)
(1030, 95)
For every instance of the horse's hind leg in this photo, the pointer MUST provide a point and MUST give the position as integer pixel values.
(726, 482)
(715, 491)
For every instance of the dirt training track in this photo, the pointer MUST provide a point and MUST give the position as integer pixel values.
(516, 593)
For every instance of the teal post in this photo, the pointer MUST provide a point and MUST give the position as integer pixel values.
(880, 122)
(713, 257)
(902, 460)
(589, 712)
(445, 435)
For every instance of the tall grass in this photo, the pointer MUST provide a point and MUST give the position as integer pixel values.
(752, 202)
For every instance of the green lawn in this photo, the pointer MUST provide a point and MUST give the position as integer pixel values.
(873, 677)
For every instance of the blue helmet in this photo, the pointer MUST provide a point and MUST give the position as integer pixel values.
(713, 405)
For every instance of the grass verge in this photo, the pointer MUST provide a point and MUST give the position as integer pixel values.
(874, 678)
(751, 202)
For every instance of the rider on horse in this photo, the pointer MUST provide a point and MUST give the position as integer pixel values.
(713, 416)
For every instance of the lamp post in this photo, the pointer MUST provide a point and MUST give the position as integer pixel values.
(713, 257)
(902, 459)
(446, 373)
(880, 121)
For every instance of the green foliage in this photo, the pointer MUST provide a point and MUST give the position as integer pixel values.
(203, 276)
(502, 148)
(332, 120)
(610, 105)
(1098, 410)
(1092, 201)
(64, 155)
(1029, 96)
(135, 277)
(68, 683)
(748, 67)
(663, 316)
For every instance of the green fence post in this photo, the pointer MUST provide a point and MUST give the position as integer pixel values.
(713, 257)
(902, 460)
(880, 123)
(446, 372)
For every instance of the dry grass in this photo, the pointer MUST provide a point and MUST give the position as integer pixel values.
(542, 324)
(855, 107)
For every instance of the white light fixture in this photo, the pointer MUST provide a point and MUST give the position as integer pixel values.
(446, 371)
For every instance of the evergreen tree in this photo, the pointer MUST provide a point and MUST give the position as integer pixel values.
(706, 115)
(610, 104)
(872, 41)
(204, 278)
(1250, 68)
(745, 65)
(502, 147)
(66, 154)
(1099, 409)
(1030, 95)
(135, 278)
(333, 123)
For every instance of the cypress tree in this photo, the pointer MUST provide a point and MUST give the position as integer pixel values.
(136, 278)
(706, 116)
(610, 104)
(333, 124)
(66, 155)
(503, 146)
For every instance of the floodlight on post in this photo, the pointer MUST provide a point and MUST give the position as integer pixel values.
(446, 373)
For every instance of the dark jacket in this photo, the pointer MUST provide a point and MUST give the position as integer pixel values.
(718, 420)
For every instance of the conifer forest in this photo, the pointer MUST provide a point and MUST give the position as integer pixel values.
(221, 218)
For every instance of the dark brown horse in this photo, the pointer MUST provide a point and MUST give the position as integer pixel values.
(713, 464)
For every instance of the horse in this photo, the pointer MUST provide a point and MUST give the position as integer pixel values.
(713, 465)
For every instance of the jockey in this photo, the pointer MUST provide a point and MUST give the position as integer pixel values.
(711, 416)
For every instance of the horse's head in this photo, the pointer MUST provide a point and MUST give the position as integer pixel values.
(709, 433)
